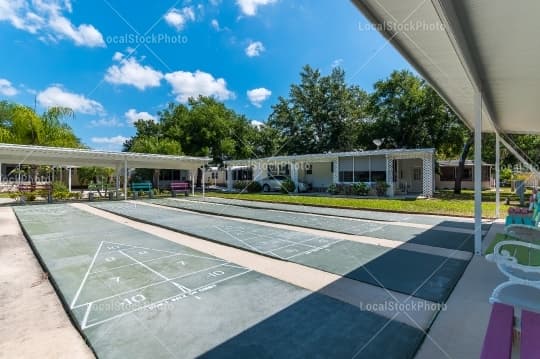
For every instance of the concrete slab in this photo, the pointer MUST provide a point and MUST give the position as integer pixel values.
(33, 323)
(412, 311)
(427, 276)
(142, 296)
(446, 221)
(419, 234)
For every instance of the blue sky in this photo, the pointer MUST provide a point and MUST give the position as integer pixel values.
(113, 61)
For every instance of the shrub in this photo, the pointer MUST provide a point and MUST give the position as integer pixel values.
(60, 191)
(381, 187)
(287, 186)
(360, 189)
(248, 186)
(332, 189)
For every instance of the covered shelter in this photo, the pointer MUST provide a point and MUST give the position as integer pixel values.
(75, 157)
(481, 56)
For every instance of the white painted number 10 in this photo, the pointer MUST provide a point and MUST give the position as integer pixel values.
(216, 273)
(134, 300)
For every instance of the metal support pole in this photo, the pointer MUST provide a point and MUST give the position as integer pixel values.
(203, 180)
(192, 185)
(478, 173)
(497, 176)
(229, 179)
(69, 178)
(125, 178)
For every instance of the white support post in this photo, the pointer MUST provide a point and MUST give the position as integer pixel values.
(125, 178)
(335, 175)
(427, 175)
(117, 182)
(294, 175)
(192, 185)
(229, 179)
(1, 179)
(390, 176)
(69, 178)
(203, 181)
(478, 173)
(497, 176)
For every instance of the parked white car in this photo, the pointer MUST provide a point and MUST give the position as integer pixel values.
(271, 184)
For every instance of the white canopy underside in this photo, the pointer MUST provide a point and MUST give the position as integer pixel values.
(38, 155)
(463, 46)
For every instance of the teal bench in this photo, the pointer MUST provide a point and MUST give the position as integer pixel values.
(142, 186)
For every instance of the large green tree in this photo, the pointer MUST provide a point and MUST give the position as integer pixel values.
(407, 113)
(202, 127)
(322, 113)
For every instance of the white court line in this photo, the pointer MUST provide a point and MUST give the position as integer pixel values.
(162, 300)
(177, 253)
(144, 265)
(86, 276)
(298, 243)
(238, 239)
(134, 264)
(318, 249)
(147, 286)
(85, 319)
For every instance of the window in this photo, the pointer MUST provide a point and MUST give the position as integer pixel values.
(345, 176)
(448, 174)
(378, 176)
(417, 174)
(309, 169)
(467, 174)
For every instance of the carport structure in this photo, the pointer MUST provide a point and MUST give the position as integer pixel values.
(75, 157)
(481, 56)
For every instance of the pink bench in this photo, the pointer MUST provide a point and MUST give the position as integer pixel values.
(498, 339)
(179, 187)
(530, 334)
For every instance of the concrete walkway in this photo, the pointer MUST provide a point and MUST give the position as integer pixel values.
(458, 331)
(33, 323)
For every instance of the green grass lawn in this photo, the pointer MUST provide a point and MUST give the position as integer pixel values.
(444, 204)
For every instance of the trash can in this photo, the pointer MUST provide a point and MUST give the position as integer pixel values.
(111, 196)
(90, 196)
(135, 195)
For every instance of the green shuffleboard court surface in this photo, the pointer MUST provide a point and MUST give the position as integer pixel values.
(350, 213)
(135, 295)
(431, 237)
(423, 275)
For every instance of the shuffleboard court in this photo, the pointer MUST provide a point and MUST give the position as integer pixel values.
(379, 229)
(351, 213)
(422, 275)
(135, 295)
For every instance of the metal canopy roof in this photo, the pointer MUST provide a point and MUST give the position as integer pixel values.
(461, 47)
(39, 155)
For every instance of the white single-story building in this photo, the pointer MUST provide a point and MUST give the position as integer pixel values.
(446, 177)
(407, 171)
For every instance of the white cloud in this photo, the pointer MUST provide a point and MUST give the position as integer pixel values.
(257, 124)
(46, 19)
(258, 96)
(255, 49)
(103, 122)
(130, 72)
(215, 25)
(337, 63)
(178, 18)
(133, 116)
(110, 143)
(116, 140)
(7, 89)
(188, 84)
(56, 96)
(249, 7)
